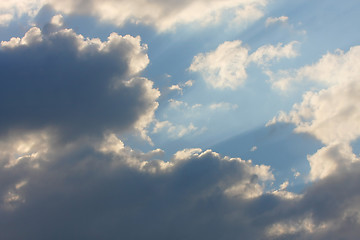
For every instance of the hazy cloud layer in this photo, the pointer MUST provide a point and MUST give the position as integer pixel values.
(77, 86)
(162, 14)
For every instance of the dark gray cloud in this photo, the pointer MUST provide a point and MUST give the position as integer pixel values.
(61, 80)
(105, 190)
(90, 194)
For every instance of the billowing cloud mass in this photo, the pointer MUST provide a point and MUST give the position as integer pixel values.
(332, 114)
(71, 166)
(226, 66)
(162, 14)
(76, 86)
(105, 189)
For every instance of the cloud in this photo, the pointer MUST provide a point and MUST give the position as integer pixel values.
(104, 188)
(223, 106)
(267, 53)
(331, 114)
(274, 20)
(175, 130)
(117, 189)
(331, 69)
(15, 9)
(180, 87)
(248, 13)
(226, 66)
(75, 85)
(164, 15)
(327, 210)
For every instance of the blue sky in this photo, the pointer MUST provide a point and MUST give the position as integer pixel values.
(179, 120)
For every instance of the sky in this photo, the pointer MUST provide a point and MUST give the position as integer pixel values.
(164, 119)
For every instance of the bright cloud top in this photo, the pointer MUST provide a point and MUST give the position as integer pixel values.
(331, 69)
(332, 114)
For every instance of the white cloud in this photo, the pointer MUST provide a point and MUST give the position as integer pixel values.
(15, 9)
(331, 69)
(223, 106)
(5, 19)
(176, 103)
(164, 15)
(303, 225)
(273, 20)
(175, 130)
(226, 66)
(332, 114)
(331, 159)
(247, 14)
(189, 83)
(265, 54)
(179, 87)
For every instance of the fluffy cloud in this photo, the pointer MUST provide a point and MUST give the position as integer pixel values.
(226, 66)
(60, 80)
(328, 209)
(10, 9)
(331, 69)
(164, 15)
(332, 114)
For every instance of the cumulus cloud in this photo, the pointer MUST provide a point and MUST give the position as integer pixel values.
(330, 70)
(104, 188)
(164, 15)
(75, 85)
(117, 189)
(328, 209)
(331, 114)
(226, 66)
